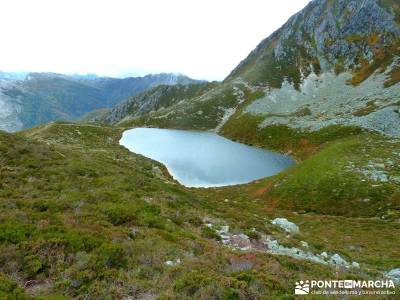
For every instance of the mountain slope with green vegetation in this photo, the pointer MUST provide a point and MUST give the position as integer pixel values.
(84, 218)
(155, 99)
(43, 97)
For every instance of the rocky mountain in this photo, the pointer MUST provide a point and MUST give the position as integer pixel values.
(43, 97)
(81, 217)
(336, 62)
(155, 99)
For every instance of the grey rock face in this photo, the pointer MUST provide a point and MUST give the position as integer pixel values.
(330, 64)
(330, 28)
(325, 33)
(327, 100)
(157, 98)
(9, 109)
(286, 225)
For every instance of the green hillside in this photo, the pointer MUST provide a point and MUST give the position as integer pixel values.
(81, 217)
(84, 218)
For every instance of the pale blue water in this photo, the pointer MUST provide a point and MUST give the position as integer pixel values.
(204, 159)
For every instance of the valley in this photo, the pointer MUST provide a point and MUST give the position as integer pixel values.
(85, 207)
(30, 99)
(82, 217)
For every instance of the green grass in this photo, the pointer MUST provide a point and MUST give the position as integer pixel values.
(302, 144)
(326, 182)
(95, 221)
(191, 113)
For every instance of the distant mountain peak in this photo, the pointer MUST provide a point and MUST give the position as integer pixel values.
(327, 35)
(41, 97)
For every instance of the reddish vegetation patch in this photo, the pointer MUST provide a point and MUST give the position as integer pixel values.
(44, 223)
(262, 190)
(274, 44)
(383, 57)
(304, 142)
(289, 206)
(373, 39)
(244, 262)
(270, 205)
(306, 149)
(361, 73)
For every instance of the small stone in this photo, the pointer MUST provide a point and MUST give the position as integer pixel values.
(355, 265)
(224, 229)
(241, 241)
(76, 283)
(173, 262)
(324, 255)
(304, 244)
(337, 260)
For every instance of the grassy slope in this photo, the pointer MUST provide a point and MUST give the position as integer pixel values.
(342, 209)
(191, 113)
(339, 204)
(82, 217)
(165, 96)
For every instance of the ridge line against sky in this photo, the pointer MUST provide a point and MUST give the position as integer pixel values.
(202, 39)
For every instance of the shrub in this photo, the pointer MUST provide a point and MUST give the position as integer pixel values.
(111, 256)
(210, 233)
(191, 282)
(32, 265)
(118, 213)
(14, 232)
(10, 290)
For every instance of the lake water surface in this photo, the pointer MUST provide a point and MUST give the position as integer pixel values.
(204, 159)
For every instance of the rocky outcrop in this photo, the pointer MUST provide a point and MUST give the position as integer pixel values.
(9, 109)
(325, 35)
(327, 100)
(286, 225)
(155, 99)
(269, 244)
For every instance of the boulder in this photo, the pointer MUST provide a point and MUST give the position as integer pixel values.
(337, 260)
(394, 275)
(286, 225)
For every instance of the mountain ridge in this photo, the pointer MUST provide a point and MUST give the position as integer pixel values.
(43, 97)
(81, 217)
(333, 63)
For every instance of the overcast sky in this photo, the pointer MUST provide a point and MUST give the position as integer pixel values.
(201, 38)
